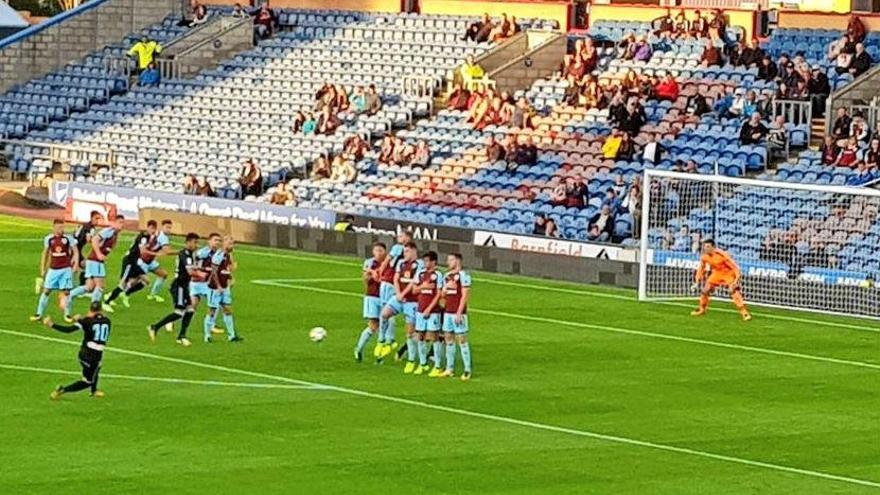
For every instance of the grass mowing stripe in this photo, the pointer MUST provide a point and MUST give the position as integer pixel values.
(139, 378)
(491, 417)
(627, 331)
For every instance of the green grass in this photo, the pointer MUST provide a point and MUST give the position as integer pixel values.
(791, 390)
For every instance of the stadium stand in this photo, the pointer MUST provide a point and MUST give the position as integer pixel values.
(583, 158)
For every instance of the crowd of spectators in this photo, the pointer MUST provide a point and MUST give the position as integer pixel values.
(397, 152)
(853, 144)
(486, 29)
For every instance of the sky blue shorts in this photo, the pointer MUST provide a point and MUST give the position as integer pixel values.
(372, 307)
(220, 297)
(407, 308)
(450, 326)
(95, 269)
(386, 292)
(199, 289)
(59, 279)
(148, 267)
(429, 324)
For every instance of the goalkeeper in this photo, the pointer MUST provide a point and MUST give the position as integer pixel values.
(723, 271)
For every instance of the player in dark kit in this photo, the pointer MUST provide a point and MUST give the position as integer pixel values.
(183, 307)
(130, 278)
(96, 331)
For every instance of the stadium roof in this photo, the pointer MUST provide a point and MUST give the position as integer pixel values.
(10, 18)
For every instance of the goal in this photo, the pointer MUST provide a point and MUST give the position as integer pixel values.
(799, 246)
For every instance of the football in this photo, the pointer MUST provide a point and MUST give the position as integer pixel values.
(318, 334)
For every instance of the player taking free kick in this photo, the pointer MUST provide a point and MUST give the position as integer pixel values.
(723, 271)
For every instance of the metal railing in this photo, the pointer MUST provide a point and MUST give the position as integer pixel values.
(420, 88)
(169, 68)
(796, 112)
(118, 65)
(484, 83)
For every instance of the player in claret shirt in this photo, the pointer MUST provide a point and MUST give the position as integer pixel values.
(102, 242)
(220, 285)
(372, 304)
(457, 291)
(428, 285)
(62, 257)
(405, 299)
(387, 293)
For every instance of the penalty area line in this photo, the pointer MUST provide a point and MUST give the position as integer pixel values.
(604, 328)
(496, 418)
(212, 383)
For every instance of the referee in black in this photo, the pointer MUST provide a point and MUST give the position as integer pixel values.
(183, 307)
(96, 331)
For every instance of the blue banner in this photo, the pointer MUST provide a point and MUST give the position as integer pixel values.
(128, 202)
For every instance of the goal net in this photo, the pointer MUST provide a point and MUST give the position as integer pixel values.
(798, 246)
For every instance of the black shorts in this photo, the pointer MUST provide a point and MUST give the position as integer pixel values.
(130, 270)
(90, 360)
(180, 295)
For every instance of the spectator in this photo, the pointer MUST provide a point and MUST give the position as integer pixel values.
(354, 148)
(199, 16)
(858, 129)
(632, 204)
(767, 70)
(526, 152)
(612, 144)
(612, 199)
(342, 170)
(251, 179)
(265, 23)
(374, 101)
(652, 151)
(189, 185)
(341, 102)
(698, 105)
(283, 195)
(309, 125)
(386, 150)
(699, 26)
(150, 76)
(849, 155)
(522, 115)
(753, 131)
(711, 55)
(626, 149)
(479, 31)
(634, 118)
(422, 156)
(829, 151)
(494, 150)
(752, 54)
(777, 136)
(750, 104)
(871, 156)
(550, 228)
(576, 193)
(863, 175)
(358, 100)
(321, 169)
(643, 50)
(403, 153)
(238, 12)
(458, 98)
(667, 89)
(327, 123)
(296, 125)
(663, 26)
(501, 30)
(540, 227)
(855, 29)
(841, 127)
(144, 52)
(737, 105)
(601, 225)
(203, 188)
(860, 62)
(470, 71)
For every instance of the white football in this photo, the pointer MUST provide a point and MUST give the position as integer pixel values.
(318, 334)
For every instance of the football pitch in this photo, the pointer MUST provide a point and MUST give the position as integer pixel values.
(576, 389)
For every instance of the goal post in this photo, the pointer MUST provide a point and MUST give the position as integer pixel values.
(799, 246)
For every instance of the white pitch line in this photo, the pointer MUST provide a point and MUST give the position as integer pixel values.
(604, 328)
(20, 239)
(214, 383)
(492, 417)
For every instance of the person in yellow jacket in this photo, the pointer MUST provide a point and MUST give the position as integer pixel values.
(470, 71)
(145, 51)
(612, 144)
